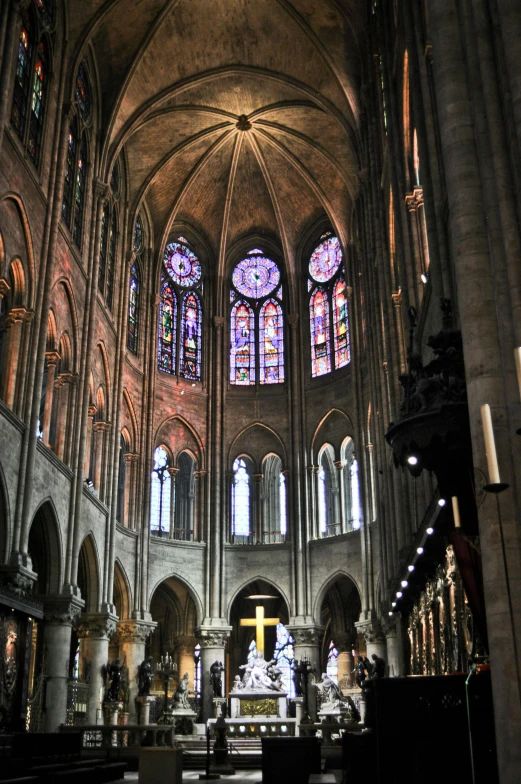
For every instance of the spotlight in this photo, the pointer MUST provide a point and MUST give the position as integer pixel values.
(419, 550)
(399, 594)
(423, 277)
(410, 568)
(412, 460)
(404, 583)
(430, 531)
(391, 612)
(442, 502)
(393, 604)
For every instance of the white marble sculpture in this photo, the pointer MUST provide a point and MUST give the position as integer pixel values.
(259, 676)
(332, 697)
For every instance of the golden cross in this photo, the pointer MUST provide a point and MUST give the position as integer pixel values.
(259, 622)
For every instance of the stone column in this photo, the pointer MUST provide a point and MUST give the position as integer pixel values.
(307, 646)
(88, 442)
(94, 631)
(374, 638)
(173, 472)
(61, 613)
(257, 533)
(199, 505)
(346, 664)
(99, 429)
(185, 646)
(52, 358)
(314, 523)
(14, 322)
(131, 636)
(392, 630)
(213, 642)
(339, 465)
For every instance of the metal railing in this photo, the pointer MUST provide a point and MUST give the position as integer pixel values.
(108, 736)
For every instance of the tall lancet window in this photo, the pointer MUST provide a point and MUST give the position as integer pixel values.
(328, 308)
(184, 499)
(160, 493)
(241, 498)
(274, 498)
(256, 322)
(76, 168)
(181, 312)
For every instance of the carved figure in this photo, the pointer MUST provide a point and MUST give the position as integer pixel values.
(146, 676)
(378, 668)
(180, 699)
(332, 697)
(257, 675)
(114, 674)
(359, 671)
(216, 678)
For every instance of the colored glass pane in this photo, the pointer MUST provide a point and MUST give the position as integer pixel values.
(22, 83)
(111, 262)
(160, 493)
(46, 9)
(271, 348)
(133, 309)
(68, 186)
(182, 264)
(340, 324)
(332, 662)
(191, 329)
(325, 260)
(256, 276)
(167, 329)
(103, 248)
(320, 330)
(241, 499)
(284, 655)
(242, 350)
(83, 93)
(37, 106)
(138, 235)
(283, 522)
(79, 194)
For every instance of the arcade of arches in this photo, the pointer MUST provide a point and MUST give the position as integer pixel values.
(224, 371)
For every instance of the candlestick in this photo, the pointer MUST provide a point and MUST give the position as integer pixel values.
(455, 512)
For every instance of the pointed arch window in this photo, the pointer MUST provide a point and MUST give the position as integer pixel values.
(241, 499)
(274, 497)
(160, 493)
(76, 169)
(284, 656)
(328, 308)
(133, 309)
(104, 236)
(109, 240)
(22, 85)
(181, 282)
(184, 499)
(256, 322)
(332, 662)
(111, 260)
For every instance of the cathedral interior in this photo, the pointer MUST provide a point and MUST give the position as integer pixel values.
(260, 344)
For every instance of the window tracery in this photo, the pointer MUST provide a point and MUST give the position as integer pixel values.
(109, 240)
(134, 297)
(241, 498)
(77, 161)
(181, 282)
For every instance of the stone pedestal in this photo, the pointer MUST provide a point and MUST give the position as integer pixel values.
(240, 708)
(394, 648)
(183, 721)
(218, 703)
(113, 709)
(299, 711)
(144, 704)
(94, 631)
(160, 765)
(60, 615)
(374, 639)
(213, 640)
(131, 636)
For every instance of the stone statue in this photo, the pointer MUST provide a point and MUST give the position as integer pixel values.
(180, 699)
(360, 672)
(260, 675)
(146, 676)
(216, 678)
(332, 697)
(298, 680)
(114, 674)
(378, 667)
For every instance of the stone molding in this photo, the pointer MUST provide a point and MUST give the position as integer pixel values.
(210, 637)
(18, 579)
(96, 626)
(63, 610)
(371, 630)
(306, 635)
(133, 631)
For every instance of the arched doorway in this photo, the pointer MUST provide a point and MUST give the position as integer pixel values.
(341, 607)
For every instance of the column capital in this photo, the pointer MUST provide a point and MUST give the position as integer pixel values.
(92, 410)
(132, 630)
(100, 626)
(371, 630)
(52, 357)
(16, 315)
(63, 610)
(131, 457)
(218, 322)
(200, 474)
(102, 427)
(339, 464)
(5, 288)
(313, 469)
(172, 470)
(101, 190)
(212, 636)
(389, 626)
(306, 635)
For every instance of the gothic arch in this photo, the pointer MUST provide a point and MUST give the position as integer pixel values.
(325, 587)
(252, 579)
(193, 593)
(162, 435)
(89, 573)
(45, 547)
(132, 421)
(29, 263)
(267, 441)
(332, 428)
(122, 591)
(68, 321)
(5, 529)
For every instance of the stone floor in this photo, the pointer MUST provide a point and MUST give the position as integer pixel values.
(247, 776)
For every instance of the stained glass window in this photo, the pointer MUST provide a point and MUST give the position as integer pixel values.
(241, 499)
(340, 324)
(133, 309)
(256, 276)
(191, 331)
(356, 511)
(111, 260)
(22, 83)
(320, 338)
(160, 493)
(282, 504)
(79, 197)
(37, 105)
(68, 187)
(167, 328)
(332, 662)
(83, 93)
(138, 235)
(242, 351)
(271, 343)
(115, 180)
(182, 264)
(325, 260)
(284, 656)
(322, 501)
(46, 9)
(103, 248)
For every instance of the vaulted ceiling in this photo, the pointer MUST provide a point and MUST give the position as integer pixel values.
(236, 116)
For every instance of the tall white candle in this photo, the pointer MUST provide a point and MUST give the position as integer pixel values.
(455, 512)
(517, 357)
(490, 446)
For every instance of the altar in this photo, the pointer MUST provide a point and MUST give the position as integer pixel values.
(258, 704)
(258, 727)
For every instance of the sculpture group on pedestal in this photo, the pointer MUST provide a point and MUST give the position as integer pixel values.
(259, 676)
(364, 669)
